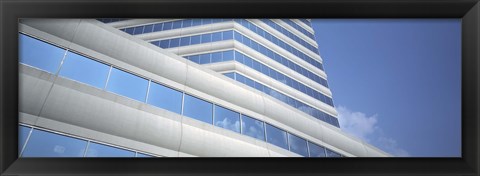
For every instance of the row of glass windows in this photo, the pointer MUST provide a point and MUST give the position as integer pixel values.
(290, 35)
(299, 28)
(286, 99)
(33, 142)
(237, 56)
(163, 26)
(280, 43)
(308, 23)
(227, 35)
(111, 20)
(194, 39)
(111, 79)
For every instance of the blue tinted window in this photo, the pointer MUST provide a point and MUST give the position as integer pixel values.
(227, 55)
(315, 150)
(187, 23)
(22, 136)
(196, 22)
(174, 42)
(195, 39)
(129, 30)
(230, 75)
(195, 59)
(197, 109)
(39, 54)
(206, 38)
(249, 82)
(157, 27)
(217, 36)
(227, 35)
(141, 155)
(46, 144)
(128, 85)
(85, 70)
(164, 43)
(206, 21)
(167, 26)
(148, 28)
(297, 145)
(257, 66)
(216, 57)
(138, 30)
(253, 128)
(165, 98)
(276, 136)
(184, 41)
(177, 24)
(239, 57)
(100, 150)
(227, 119)
(332, 153)
(205, 58)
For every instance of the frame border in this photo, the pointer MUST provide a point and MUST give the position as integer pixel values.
(11, 11)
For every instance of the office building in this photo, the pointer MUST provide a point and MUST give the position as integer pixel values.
(176, 88)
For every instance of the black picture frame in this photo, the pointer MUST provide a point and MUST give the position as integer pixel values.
(467, 10)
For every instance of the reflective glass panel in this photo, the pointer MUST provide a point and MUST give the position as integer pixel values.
(141, 155)
(315, 150)
(164, 97)
(84, 70)
(297, 145)
(253, 128)
(46, 144)
(39, 54)
(127, 84)
(227, 119)
(332, 153)
(22, 136)
(216, 57)
(197, 109)
(276, 136)
(100, 150)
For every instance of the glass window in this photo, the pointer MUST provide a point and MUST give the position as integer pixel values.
(237, 36)
(22, 136)
(164, 43)
(148, 28)
(195, 39)
(127, 84)
(129, 30)
(205, 58)
(157, 27)
(100, 150)
(46, 144)
(249, 82)
(196, 22)
(167, 26)
(315, 150)
(206, 38)
(174, 42)
(332, 153)
(85, 70)
(227, 35)
(141, 155)
(164, 97)
(230, 75)
(177, 24)
(239, 57)
(276, 136)
(240, 78)
(197, 109)
(253, 127)
(248, 61)
(206, 21)
(187, 23)
(39, 54)
(138, 30)
(195, 59)
(216, 57)
(184, 41)
(217, 36)
(257, 66)
(297, 145)
(258, 86)
(227, 119)
(227, 55)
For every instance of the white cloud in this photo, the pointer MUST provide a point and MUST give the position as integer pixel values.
(365, 127)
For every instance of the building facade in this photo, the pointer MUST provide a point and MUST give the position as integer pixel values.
(176, 88)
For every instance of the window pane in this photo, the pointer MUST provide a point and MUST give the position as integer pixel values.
(227, 55)
(167, 26)
(195, 39)
(46, 144)
(174, 42)
(177, 24)
(197, 109)
(100, 150)
(297, 145)
(276, 136)
(148, 28)
(164, 43)
(128, 85)
(184, 41)
(332, 153)
(230, 75)
(165, 98)
(227, 35)
(227, 119)
(205, 58)
(206, 38)
(216, 57)
(39, 54)
(22, 136)
(216, 36)
(315, 150)
(253, 128)
(85, 70)
(141, 155)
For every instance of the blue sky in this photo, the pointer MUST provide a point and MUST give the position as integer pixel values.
(396, 82)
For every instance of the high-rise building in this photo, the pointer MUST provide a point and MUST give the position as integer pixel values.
(176, 87)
